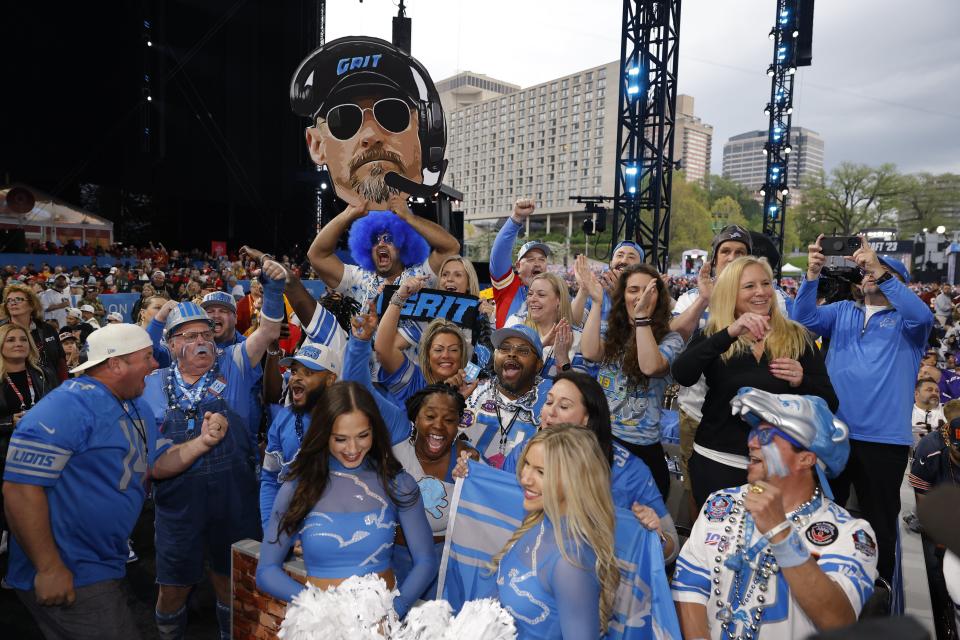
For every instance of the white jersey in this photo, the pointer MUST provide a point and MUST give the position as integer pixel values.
(923, 421)
(363, 285)
(843, 546)
(690, 399)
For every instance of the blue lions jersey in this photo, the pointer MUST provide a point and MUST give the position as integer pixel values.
(90, 452)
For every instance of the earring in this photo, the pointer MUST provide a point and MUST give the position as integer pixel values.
(413, 433)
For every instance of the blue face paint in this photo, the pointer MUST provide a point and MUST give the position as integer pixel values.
(774, 461)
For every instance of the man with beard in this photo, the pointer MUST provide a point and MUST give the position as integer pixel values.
(368, 103)
(777, 558)
(625, 254)
(510, 280)
(875, 351)
(55, 301)
(927, 410)
(503, 412)
(312, 369)
(203, 511)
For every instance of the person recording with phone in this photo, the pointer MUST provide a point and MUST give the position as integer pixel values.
(875, 350)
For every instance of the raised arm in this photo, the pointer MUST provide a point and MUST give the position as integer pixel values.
(385, 345)
(442, 243)
(591, 342)
(651, 360)
(501, 254)
(321, 253)
(297, 295)
(272, 312)
(687, 320)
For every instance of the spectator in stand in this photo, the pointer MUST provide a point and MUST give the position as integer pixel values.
(949, 382)
(927, 410)
(548, 312)
(87, 313)
(160, 284)
(55, 300)
(91, 297)
(247, 306)
(71, 348)
(146, 292)
(22, 306)
(875, 348)
(943, 304)
(114, 317)
(937, 456)
(510, 281)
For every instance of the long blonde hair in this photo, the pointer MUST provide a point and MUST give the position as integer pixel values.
(574, 468)
(435, 328)
(787, 339)
(561, 291)
(33, 356)
(473, 282)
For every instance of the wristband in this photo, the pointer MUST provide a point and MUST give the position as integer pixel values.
(398, 300)
(274, 353)
(272, 308)
(783, 526)
(790, 552)
(642, 322)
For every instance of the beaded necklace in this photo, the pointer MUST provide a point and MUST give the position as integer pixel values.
(759, 560)
(298, 426)
(190, 397)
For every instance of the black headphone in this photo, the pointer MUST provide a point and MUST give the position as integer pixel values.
(308, 93)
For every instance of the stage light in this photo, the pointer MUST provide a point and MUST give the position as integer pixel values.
(633, 89)
(633, 71)
(771, 70)
(791, 70)
(796, 33)
(631, 170)
(789, 110)
(787, 149)
(941, 229)
(763, 191)
(633, 189)
(773, 33)
(323, 186)
(785, 191)
(149, 43)
(149, 98)
(766, 110)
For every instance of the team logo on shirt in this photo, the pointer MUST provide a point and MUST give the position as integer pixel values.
(718, 507)
(864, 543)
(489, 406)
(467, 419)
(822, 533)
(712, 539)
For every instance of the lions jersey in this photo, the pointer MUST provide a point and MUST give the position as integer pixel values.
(90, 452)
(494, 424)
(843, 546)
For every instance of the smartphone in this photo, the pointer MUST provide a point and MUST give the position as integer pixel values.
(840, 245)
(471, 371)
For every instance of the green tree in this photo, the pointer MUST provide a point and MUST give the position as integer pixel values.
(850, 198)
(689, 219)
(924, 201)
(719, 187)
(726, 211)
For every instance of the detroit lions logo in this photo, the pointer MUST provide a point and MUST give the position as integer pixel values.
(434, 496)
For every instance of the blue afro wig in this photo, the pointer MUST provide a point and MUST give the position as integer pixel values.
(363, 233)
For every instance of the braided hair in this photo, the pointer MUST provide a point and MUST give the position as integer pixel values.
(415, 402)
(342, 307)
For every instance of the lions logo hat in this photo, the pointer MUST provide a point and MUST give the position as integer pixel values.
(316, 357)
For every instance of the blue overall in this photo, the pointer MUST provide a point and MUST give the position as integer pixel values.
(204, 510)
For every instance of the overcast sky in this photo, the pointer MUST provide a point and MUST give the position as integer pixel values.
(884, 85)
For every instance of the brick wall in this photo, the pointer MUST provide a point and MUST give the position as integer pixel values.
(256, 616)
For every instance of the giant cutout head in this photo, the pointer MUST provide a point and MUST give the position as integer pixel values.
(376, 120)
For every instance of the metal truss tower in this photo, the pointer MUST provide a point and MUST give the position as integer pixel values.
(782, 70)
(645, 125)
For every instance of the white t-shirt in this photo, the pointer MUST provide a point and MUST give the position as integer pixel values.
(922, 417)
(870, 309)
(843, 546)
(51, 297)
(362, 285)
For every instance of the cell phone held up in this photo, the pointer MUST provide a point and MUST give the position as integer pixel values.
(840, 245)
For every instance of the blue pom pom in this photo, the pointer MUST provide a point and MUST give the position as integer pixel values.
(363, 233)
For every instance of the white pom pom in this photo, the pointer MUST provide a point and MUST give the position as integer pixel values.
(427, 621)
(360, 608)
(482, 620)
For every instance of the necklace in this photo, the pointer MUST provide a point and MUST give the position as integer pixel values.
(757, 560)
(298, 426)
(190, 398)
(137, 424)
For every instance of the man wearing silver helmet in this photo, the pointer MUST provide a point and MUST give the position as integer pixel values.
(200, 513)
(777, 558)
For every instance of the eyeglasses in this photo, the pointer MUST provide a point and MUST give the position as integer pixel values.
(764, 436)
(385, 238)
(193, 336)
(15, 300)
(520, 351)
(345, 120)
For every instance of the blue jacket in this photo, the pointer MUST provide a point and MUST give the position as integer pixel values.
(874, 367)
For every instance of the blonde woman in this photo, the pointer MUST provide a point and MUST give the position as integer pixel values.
(456, 275)
(747, 342)
(444, 351)
(22, 306)
(557, 575)
(548, 311)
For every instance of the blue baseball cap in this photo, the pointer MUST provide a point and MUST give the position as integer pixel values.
(530, 246)
(521, 331)
(896, 266)
(221, 298)
(316, 357)
(632, 245)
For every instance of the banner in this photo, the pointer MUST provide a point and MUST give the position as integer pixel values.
(487, 507)
(428, 304)
(121, 302)
(218, 248)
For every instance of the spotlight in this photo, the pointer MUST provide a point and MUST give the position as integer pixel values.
(771, 70)
(787, 149)
(633, 71)
(766, 110)
(631, 170)
(789, 110)
(149, 43)
(773, 33)
(323, 186)
(791, 70)
(941, 229)
(784, 191)
(149, 98)
(763, 191)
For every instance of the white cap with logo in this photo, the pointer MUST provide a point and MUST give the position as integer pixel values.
(114, 340)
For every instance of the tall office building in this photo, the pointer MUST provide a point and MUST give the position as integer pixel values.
(550, 141)
(744, 162)
(692, 141)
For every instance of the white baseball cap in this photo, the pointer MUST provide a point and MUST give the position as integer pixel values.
(88, 308)
(111, 341)
(317, 357)
(73, 312)
(114, 316)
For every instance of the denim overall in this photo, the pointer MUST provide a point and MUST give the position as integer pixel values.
(203, 511)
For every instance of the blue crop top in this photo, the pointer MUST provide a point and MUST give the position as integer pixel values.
(547, 596)
(350, 531)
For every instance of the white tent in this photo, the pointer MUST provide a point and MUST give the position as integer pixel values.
(53, 220)
(789, 269)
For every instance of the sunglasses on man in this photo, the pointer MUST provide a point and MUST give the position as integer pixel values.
(344, 120)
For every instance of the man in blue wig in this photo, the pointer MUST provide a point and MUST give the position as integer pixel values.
(376, 124)
(777, 558)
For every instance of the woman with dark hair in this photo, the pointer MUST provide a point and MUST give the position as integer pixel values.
(345, 495)
(632, 361)
(577, 399)
(429, 455)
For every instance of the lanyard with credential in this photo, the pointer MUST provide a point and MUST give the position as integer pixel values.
(504, 432)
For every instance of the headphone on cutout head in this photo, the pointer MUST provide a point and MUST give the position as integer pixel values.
(308, 93)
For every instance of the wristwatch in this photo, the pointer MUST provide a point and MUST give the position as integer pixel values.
(886, 276)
